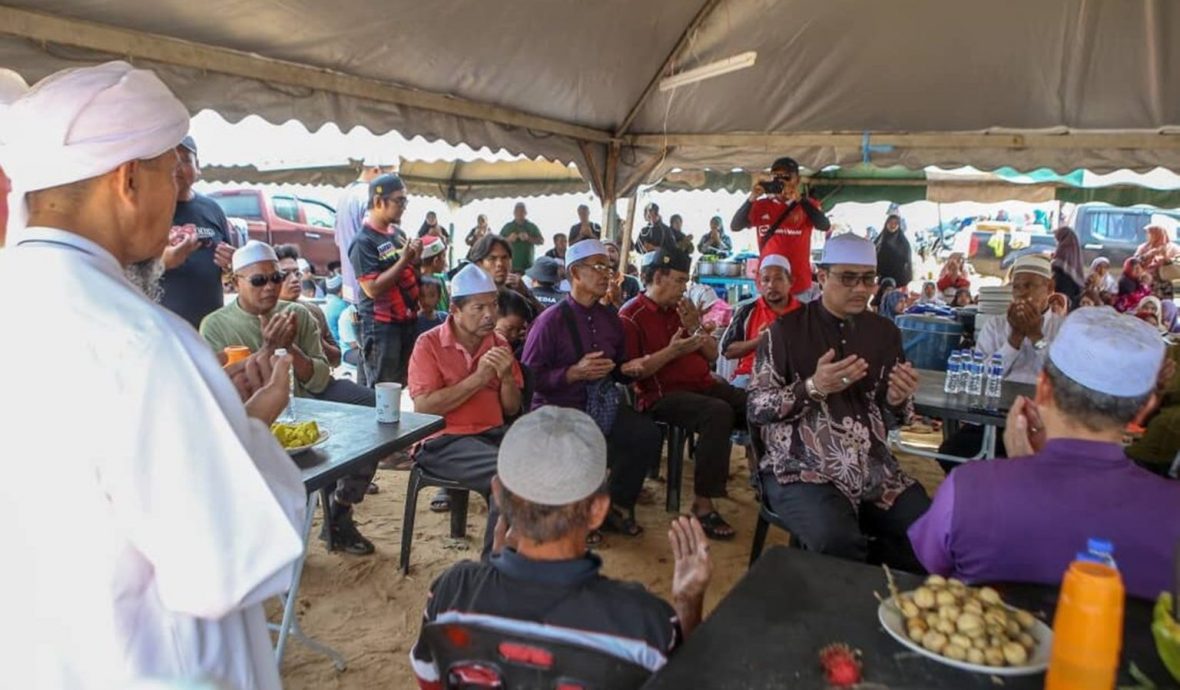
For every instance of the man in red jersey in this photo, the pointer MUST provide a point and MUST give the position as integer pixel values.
(784, 219)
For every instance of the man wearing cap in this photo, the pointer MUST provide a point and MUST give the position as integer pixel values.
(199, 246)
(741, 338)
(12, 87)
(1023, 520)
(546, 274)
(386, 262)
(578, 356)
(350, 217)
(523, 236)
(465, 372)
(260, 320)
(784, 220)
(675, 382)
(183, 509)
(830, 379)
(542, 581)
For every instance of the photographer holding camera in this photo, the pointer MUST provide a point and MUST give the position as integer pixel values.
(784, 219)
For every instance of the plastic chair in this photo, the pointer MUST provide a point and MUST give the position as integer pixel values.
(766, 516)
(420, 479)
(470, 656)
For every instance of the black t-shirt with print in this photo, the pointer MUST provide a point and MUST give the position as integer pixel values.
(372, 254)
(193, 289)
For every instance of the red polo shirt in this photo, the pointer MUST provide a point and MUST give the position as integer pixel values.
(440, 361)
(648, 328)
(792, 239)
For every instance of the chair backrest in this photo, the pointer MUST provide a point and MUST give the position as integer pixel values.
(473, 656)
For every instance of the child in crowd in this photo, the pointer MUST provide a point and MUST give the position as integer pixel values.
(429, 294)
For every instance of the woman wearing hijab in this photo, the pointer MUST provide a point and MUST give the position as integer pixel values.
(715, 242)
(1151, 310)
(894, 302)
(430, 227)
(477, 233)
(1101, 281)
(1157, 250)
(1133, 286)
(1068, 276)
(894, 256)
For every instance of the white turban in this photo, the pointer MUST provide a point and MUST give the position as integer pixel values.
(85, 122)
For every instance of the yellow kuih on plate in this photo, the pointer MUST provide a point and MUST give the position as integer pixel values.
(296, 435)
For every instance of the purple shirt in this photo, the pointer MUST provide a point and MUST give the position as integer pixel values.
(549, 351)
(1024, 520)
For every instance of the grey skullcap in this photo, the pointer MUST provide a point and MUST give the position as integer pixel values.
(1108, 352)
(553, 456)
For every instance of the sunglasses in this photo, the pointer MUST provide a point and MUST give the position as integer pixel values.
(849, 280)
(602, 268)
(260, 279)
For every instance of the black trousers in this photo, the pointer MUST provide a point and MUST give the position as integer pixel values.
(966, 443)
(387, 348)
(633, 446)
(824, 521)
(351, 489)
(713, 415)
(469, 460)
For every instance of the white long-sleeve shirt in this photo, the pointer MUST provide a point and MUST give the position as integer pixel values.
(148, 516)
(1020, 365)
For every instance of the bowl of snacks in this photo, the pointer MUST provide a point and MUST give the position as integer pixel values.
(969, 628)
(298, 437)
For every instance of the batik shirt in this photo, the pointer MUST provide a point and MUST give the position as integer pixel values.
(842, 440)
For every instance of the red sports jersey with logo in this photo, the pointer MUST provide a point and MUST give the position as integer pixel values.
(792, 238)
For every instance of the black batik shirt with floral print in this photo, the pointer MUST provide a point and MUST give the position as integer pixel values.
(842, 440)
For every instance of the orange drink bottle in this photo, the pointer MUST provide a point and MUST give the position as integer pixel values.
(1087, 628)
(236, 353)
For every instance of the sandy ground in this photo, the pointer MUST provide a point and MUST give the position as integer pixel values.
(368, 611)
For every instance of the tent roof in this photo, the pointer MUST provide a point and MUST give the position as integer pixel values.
(1063, 84)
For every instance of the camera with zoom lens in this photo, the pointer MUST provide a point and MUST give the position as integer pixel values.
(774, 186)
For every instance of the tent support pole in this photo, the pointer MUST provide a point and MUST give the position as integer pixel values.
(625, 243)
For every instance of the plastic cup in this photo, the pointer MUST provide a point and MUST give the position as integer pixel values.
(389, 402)
(236, 353)
(1087, 629)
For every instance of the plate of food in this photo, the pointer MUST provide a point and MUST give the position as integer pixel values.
(969, 628)
(298, 436)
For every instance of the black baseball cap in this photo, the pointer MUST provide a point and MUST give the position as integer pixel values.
(384, 185)
(786, 163)
(671, 258)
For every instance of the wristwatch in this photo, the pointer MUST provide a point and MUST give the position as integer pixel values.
(813, 392)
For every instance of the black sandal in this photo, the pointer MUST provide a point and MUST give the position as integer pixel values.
(621, 523)
(714, 526)
(441, 503)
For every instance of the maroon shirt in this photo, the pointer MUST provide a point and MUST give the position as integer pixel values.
(648, 328)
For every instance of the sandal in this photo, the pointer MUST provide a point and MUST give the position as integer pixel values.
(372, 488)
(715, 526)
(441, 503)
(595, 538)
(621, 523)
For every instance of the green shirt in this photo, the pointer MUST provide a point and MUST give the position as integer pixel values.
(522, 252)
(233, 326)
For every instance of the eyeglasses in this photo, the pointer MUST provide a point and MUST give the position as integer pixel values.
(260, 279)
(399, 200)
(850, 280)
(602, 268)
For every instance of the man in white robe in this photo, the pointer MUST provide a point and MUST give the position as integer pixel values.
(150, 512)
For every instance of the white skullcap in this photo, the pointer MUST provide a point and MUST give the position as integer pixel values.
(583, 249)
(432, 247)
(1108, 352)
(1037, 264)
(849, 249)
(472, 280)
(12, 87)
(554, 456)
(84, 122)
(775, 260)
(251, 253)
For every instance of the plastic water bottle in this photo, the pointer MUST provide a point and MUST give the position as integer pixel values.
(995, 377)
(975, 380)
(289, 411)
(954, 364)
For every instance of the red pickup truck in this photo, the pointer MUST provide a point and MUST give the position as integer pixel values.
(283, 219)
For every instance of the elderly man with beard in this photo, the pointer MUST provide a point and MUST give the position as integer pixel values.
(829, 380)
(260, 320)
(577, 352)
(751, 318)
(184, 511)
(465, 372)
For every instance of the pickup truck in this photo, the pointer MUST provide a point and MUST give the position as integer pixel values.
(283, 219)
(1109, 231)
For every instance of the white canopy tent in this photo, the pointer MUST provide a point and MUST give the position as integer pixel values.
(1063, 84)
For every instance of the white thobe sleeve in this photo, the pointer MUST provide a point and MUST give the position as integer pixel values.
(210, 499)
(994, 340)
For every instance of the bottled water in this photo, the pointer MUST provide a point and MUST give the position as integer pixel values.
(964, 371)
(995, 377)
(954, 365)
(975, 378)
(288, 412)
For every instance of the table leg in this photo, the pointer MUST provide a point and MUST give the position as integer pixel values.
(289, 626)
(1174, 473)
(988, 448)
